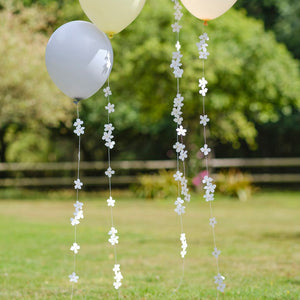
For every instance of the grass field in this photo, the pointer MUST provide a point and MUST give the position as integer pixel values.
(259, 239)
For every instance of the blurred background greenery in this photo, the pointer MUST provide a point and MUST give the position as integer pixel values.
(253, 75)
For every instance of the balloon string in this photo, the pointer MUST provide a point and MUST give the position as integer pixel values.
(110, 184)
(207, 169)
(77, 196)
(177, 10)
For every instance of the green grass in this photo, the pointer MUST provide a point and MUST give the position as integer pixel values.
(259, 239)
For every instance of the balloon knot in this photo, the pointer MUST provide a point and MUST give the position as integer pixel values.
(205, 23)
(77, 100)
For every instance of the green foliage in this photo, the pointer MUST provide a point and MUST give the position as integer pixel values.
(283, 17)
(30, 102)
(156, 186)
(235, 184)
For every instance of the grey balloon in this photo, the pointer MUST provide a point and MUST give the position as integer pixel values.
(77, 56)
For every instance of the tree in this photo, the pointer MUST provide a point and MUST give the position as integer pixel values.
(30, 103)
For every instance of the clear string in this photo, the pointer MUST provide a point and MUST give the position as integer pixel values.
(77, 197)
(207, 170)
(110, 185)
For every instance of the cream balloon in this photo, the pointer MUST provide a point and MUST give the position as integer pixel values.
(208, 9)
(112, 16)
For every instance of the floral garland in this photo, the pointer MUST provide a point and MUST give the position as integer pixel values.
(181, 154)
(78, 214)
(209, 187)
(110, 143)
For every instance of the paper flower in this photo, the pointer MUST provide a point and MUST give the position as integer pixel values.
(110, 202)
(176, 27)
(74, 221)
(202, 82)
(73, 277)
(109, 172)
(79, 130)
(110, 108)
(207, 180)
(205, 150)
(109, 127)
(181, 131)
(79, 214)
(204, 120)
(78, 122)
(182, 155)
(107, 91)
(178, 147)
(75, 247)
(78, 184)
(216, 253)
(78, 205)
(203, 91)
(212, 222)
(177, 176)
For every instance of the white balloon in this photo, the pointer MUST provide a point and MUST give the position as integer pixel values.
(207, 9)
(77, 56)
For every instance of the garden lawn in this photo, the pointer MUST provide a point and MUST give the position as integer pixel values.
(259, 240)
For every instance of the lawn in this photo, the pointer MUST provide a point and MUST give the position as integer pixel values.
(259, 239)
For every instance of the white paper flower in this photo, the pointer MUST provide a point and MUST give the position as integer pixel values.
(210, 188)
(116, 268)
(177, 6)
(207, 180)
(179, 201)
(180, 209)
(208, 197)
(205, 150)
(75, 247)
(78, 122)
(74, 221)
(117, 284)
(107, 91)
(204, 36)
(176, 27)
(221, 287)
(203, 54)
(177, 55)
(178, 147)
(109, 172)
(216, 253)
(178, 72)
(212, 222)
(109, 127)
(73, 277)
(78, 205)
(175, 64)
(177, 45)
(114, 239)
(79, 130)
(177, 176)
(181, 131)
(219, 279)
(78, 184)
(110, 108)
(202, 82)
(203, 91)
(187, 197)
(113, 231)
(204, 120)
(178, 120)
(79, 214)
(110, 144)
(182, 155)
(110, 202)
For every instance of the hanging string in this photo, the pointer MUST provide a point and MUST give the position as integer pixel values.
(78, 214)
(179, 146)
(209, 187)
(110, 143)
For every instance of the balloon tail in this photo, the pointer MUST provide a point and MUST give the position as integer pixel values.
(110, 34)
(205, 23)
(77, 100)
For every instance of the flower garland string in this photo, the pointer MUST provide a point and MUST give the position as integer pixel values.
(181, 154)
(110, 143)
(78, 214)
(209, 186)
